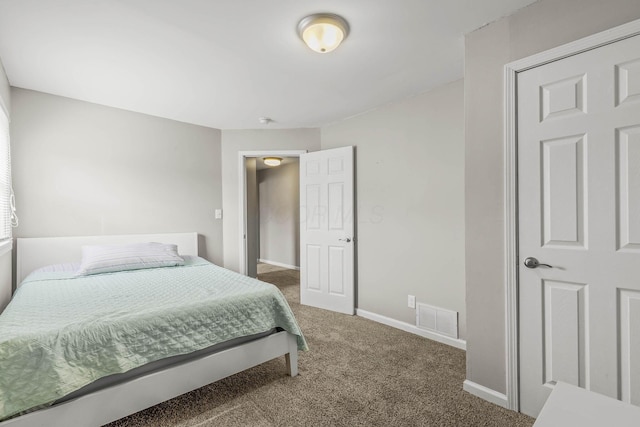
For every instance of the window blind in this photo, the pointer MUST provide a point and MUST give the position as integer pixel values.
(6, 210)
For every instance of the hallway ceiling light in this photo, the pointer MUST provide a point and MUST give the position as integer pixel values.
(272, 161)
(323, 32)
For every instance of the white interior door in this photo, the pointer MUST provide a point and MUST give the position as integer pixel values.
(579, 212)
(327, 229)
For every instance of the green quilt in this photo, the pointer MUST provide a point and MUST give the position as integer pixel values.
(60, 333)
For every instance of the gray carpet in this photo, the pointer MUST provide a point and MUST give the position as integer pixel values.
(357, 373)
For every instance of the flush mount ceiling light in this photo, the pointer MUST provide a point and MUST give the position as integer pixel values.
(272, 161)
(323, 32)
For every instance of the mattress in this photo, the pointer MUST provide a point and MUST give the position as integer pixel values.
(61, 333)
(111, 380)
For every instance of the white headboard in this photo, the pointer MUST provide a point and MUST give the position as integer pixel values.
(33, 253)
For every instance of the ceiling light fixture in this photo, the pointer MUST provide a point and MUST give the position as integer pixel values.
(272, 161)
(323, 32)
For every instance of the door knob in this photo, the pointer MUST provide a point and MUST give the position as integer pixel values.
(531, 262)
(346, 239)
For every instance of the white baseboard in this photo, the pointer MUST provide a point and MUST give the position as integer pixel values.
(454, 342)
(279, 264)
(485, 393)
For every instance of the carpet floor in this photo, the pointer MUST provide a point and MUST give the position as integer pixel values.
(357, 373)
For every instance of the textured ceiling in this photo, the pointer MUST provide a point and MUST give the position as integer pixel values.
(225, 63)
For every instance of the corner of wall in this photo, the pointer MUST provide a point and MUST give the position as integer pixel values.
(5, 90)
(6, 277)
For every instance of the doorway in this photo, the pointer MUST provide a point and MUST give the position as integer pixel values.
(277, 252)
(327, 225)
(277, 214)
(251, 166)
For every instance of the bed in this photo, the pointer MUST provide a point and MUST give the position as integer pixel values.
(177, 328)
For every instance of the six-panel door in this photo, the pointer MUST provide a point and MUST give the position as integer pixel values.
(579, 211)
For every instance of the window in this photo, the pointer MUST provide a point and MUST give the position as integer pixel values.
(7, 210)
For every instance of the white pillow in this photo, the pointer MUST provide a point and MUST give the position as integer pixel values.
(136, 256)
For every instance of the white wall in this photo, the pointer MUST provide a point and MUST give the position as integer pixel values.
(410, 196)
(541, 26)
(234, 141)
(85, 169)
(279, 192)
(5, 89)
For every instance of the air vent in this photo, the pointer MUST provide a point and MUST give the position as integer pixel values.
(438, 320)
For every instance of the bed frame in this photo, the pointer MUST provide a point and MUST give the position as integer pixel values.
(117, 401)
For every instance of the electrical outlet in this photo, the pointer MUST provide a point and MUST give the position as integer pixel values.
(218, 213)
(411, 301)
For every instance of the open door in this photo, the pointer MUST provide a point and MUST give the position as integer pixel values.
(327, 240)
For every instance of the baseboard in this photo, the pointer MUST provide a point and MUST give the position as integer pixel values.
(457, 343)
(279, 264)
(485, 393)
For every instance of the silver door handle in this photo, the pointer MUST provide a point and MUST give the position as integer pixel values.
(531, 262)
(346, 239)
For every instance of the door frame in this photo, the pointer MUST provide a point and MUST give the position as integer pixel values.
(242, 195)
(511, 71)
